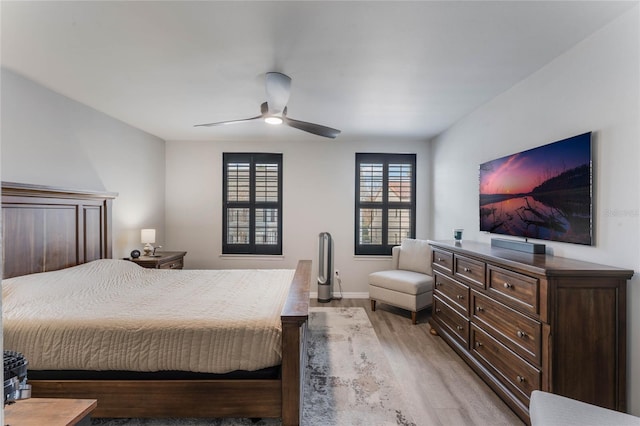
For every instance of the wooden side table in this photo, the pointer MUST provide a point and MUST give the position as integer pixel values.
(50, 412)
(164, 260)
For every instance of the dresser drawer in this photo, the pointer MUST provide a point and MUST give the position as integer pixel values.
(455, 323)
(442, 260)
(456, 294)
(514, 289)
(469, 270)
(514, 372)
(174, 264)
(514, 330)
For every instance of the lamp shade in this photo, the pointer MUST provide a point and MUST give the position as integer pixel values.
(147, 236)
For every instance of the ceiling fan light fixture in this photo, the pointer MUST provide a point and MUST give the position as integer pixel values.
(274, 109)
(273, 120)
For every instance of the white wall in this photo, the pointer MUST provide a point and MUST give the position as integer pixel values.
(48, 139)
(318, 186)
(593, 87)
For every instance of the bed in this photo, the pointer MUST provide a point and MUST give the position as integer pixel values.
(51, 233)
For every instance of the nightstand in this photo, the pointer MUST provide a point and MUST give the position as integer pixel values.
(164, 260)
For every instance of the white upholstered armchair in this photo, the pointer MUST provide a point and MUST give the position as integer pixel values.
(408, 284)
(547, 409)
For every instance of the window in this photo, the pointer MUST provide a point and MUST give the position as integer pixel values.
(252, 203)
(385, 202)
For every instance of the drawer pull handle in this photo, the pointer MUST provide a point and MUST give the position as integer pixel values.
(521, 334)
(478, 344)
(479, 309)
(438, 311)
(459, 297)
(520, 379)
(459, 328)
(466, 269)
(507, 285)
(440, 259)
(438, 284)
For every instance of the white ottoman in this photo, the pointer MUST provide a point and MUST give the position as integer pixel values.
(404, 289)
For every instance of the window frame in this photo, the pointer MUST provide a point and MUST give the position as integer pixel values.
(252, 248)
(385, 159)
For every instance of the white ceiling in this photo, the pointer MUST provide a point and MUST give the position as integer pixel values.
(385, 68)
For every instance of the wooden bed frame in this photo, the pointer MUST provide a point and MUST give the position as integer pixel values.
(46, 228)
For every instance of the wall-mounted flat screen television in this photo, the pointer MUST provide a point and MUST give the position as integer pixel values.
(543, 193)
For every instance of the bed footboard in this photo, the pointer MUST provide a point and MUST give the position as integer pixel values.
(295, 315)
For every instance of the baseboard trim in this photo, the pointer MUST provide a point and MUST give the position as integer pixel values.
(345, 295)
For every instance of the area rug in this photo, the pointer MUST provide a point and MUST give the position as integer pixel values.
(348, 380)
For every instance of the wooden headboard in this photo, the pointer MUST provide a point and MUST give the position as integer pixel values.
(46, 228)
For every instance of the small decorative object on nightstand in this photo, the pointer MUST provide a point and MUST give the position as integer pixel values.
(162, 260)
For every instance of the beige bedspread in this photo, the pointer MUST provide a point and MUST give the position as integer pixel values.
(115, 315)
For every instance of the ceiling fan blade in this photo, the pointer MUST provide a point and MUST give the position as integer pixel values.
(316, 129)
(221, 123)
(263, 110)
(278, 88)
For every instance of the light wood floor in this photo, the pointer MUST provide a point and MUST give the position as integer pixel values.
(441, 389)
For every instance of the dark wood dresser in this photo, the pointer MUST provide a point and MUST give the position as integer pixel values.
(533, 321)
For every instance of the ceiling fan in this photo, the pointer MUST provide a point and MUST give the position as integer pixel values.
(274, 110)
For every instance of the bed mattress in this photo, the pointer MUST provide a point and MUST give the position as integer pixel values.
(115, 315)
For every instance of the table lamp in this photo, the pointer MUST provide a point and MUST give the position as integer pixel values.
(148, 237)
